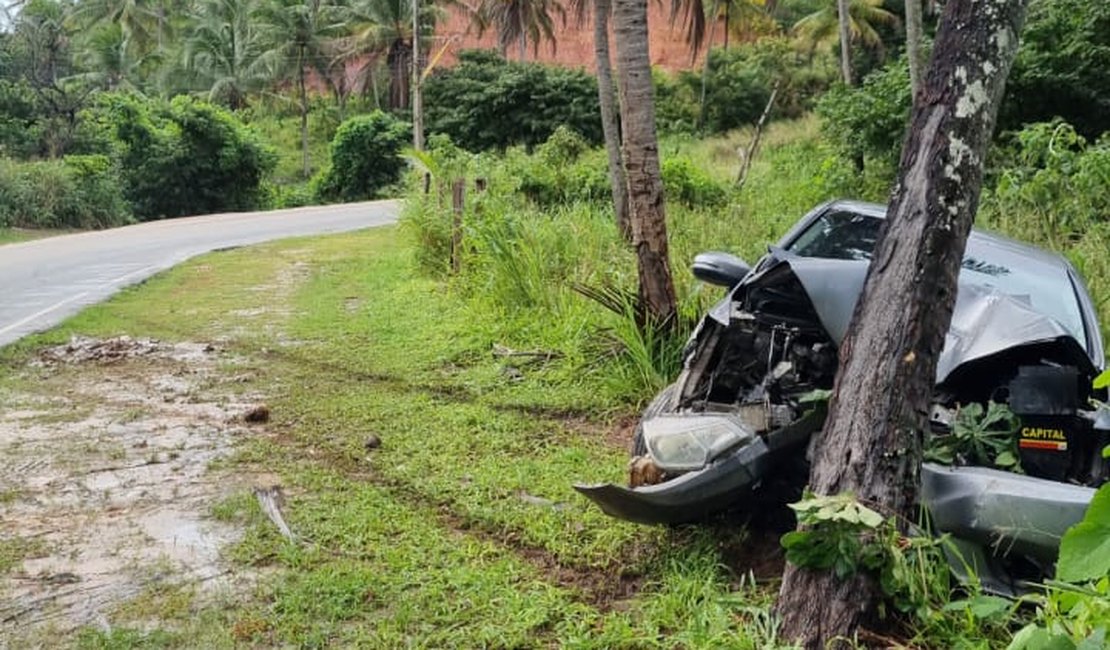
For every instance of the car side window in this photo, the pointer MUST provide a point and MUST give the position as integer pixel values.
(840, 236)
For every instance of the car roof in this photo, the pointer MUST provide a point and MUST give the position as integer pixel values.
(998, 246)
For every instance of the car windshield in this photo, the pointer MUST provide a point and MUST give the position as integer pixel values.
(844, 235)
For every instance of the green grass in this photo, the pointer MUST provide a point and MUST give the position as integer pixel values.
(461, 530)
(13, 550)
(17, 235)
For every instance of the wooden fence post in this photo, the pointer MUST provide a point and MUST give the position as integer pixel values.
(458, 198)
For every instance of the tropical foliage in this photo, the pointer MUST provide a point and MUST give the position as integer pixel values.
(486, 102)
(365, 158)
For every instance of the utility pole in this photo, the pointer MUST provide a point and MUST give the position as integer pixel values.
(417, 96)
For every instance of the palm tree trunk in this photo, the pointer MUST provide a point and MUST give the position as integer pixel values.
(844, 19)
(728, 19)
(417, 96)
(702, 106)
(913, 43)
(523, 45)
(374, 89)
(641, 162)
(304, 112)
(610, 126)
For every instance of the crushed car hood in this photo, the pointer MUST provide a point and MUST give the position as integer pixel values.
(985, 321)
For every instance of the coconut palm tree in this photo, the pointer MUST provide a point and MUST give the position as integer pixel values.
(520, 21)
(737, 16)
(380, 30)
(110, 62)
(142, 23)
(821, 28)
(222, 51)
(295, 35)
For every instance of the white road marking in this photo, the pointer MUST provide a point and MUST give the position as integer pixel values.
(66, 301)
(38, 314)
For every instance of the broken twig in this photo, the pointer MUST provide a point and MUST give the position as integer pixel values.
(747, 156)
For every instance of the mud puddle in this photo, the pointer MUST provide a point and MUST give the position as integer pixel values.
(104, 484)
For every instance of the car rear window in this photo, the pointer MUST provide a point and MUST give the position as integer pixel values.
(844, 235)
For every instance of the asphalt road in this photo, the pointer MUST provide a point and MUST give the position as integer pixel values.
(45, 281)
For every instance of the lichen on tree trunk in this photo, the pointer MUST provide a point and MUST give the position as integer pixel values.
(871, 444)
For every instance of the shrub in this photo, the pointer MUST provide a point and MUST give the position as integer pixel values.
(1052, 187)
(563, 170)
(676, 101)
(365, 158)
(178, 158)
(685, 182)
(739, 84)
(869, 121)
(741, 80)
(1062, 68)
(21, 129)
(486, 102)
(77, 192)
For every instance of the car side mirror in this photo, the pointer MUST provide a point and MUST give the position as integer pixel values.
(721, 269)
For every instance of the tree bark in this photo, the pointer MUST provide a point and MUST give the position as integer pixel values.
(399, 60)
(641, 162)
(417, 91)
(304, 113)
(703, 110)
(871, 443)
(728, 26)
(913, 44)
(610, 126)
(844, 19)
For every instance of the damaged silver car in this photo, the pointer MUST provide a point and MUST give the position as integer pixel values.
(1024, 334)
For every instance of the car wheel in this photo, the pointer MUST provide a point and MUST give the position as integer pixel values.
(663, 402)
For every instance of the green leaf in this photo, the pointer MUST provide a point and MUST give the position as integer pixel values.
(1096, 641)
(1032, 637)
(869, 517)
(1085, 549)
(981, 606)
(1103, 380)
(815, 395)
(1005, 459)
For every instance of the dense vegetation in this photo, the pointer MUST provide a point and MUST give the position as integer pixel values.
(486, 102)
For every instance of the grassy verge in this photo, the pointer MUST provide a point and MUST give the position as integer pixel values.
(461, 530)
(17, 235)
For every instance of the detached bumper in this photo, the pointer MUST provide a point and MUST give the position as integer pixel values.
(689, 497)
(1012, 513)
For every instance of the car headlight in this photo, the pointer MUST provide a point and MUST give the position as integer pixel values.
(682, 443)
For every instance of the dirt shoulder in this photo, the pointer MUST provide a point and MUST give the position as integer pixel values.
(105, 484)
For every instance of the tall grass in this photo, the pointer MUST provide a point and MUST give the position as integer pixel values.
(542, 228)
